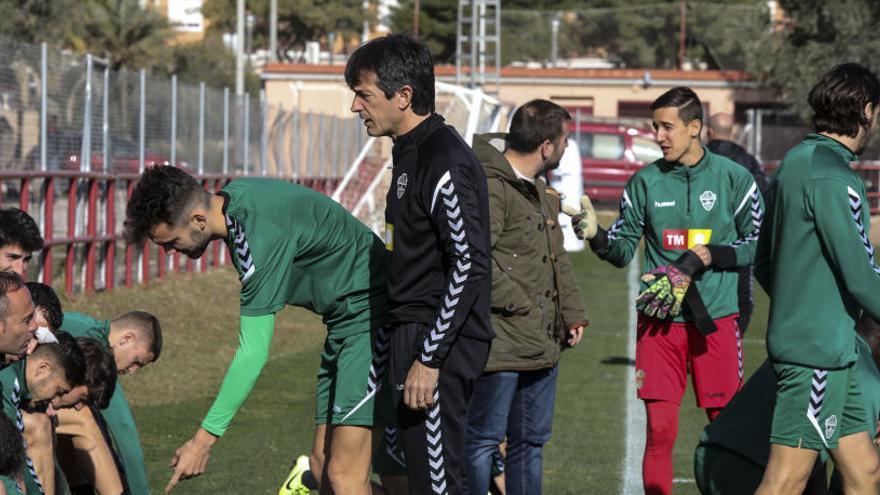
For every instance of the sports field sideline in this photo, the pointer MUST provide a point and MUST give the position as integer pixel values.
(585, 455)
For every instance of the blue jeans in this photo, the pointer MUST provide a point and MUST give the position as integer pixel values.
(518, 404)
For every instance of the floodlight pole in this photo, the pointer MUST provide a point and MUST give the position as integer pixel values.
(239, 48)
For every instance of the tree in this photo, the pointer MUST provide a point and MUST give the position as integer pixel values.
(208, 60)
(630, 33)
(123, 32)
(299, 21)
(36, 21)
(815, 37)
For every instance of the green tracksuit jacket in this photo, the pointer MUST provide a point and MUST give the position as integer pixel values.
(715, 202)
(814, 257)
(117, 415)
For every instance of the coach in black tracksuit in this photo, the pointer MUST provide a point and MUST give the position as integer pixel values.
(439, 280)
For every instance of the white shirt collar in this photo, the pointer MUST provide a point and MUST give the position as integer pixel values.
(521, 176)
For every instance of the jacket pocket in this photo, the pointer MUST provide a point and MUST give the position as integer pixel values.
(520, 335)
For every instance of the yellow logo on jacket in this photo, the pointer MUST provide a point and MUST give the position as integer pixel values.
(685, 238)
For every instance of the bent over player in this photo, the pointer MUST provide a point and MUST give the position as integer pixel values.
(700, 215)
(291, 246)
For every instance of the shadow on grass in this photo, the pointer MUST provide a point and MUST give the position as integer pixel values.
(619, 360)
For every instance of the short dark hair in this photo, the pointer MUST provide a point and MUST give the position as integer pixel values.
(9, 282)
(535, 122)
(66, 354)
(683, 98)
(11, 448)
(163, 195)
(147, 325)
(839, 98)
(18, 228)
(45, 298)
(100, 371)
(398, 61)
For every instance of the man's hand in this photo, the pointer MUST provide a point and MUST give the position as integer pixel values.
(575, 334)
(191, 459)
(664, 296)
(584, 222)
(704, 254)
(421, 381)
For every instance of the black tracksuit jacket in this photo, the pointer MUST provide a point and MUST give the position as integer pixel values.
(437, 229)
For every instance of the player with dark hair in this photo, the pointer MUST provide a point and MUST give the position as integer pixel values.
(816, 262)
(11, 453)
(134, 340)
(700, 215)
(291, 246)
(49, 314)
(40, 380)
(439, 282)
(19, 238)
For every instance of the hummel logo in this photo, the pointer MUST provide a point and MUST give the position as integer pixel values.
(663, 204)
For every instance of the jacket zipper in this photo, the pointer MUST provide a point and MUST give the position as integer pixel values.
(687, 174)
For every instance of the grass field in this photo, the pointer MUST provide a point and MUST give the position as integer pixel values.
(200, 316)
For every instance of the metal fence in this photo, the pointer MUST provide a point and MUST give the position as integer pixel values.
(75, 135)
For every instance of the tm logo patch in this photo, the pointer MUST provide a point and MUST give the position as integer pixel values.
(681, 239)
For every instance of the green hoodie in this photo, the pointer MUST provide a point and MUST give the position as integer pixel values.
(715, 202)
(118, 414)
(814, 257)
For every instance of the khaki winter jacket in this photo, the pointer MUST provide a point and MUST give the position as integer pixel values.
(535, 296)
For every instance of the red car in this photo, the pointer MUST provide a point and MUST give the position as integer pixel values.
(611, 152)
(64, 154)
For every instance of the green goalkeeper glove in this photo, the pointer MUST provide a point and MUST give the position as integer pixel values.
(584, 221)
(668, 286)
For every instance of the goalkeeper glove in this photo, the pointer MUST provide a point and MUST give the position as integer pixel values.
(584, 221)
(668, 286)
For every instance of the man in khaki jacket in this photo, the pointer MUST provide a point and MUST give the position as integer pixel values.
(537, 308)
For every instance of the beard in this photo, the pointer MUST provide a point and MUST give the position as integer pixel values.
(200, 241)
(550, 166)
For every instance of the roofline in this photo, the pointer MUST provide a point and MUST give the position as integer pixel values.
(554, 76)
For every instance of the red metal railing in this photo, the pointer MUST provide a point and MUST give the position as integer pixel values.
(93, 226)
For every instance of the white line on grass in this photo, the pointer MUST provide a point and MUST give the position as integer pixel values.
(635, 411)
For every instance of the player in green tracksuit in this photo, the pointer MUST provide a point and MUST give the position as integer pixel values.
(132, 338)
(816, 262)
(290, 246)
(733, 449)
(700, 215)
(35, 382)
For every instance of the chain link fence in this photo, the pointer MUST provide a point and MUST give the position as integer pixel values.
(60, 111)
(75, 134)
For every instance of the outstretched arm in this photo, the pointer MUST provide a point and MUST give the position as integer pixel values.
(255, 336)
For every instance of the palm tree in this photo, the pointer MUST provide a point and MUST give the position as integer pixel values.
(125, 33)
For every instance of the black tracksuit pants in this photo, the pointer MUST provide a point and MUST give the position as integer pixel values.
(434, 440)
